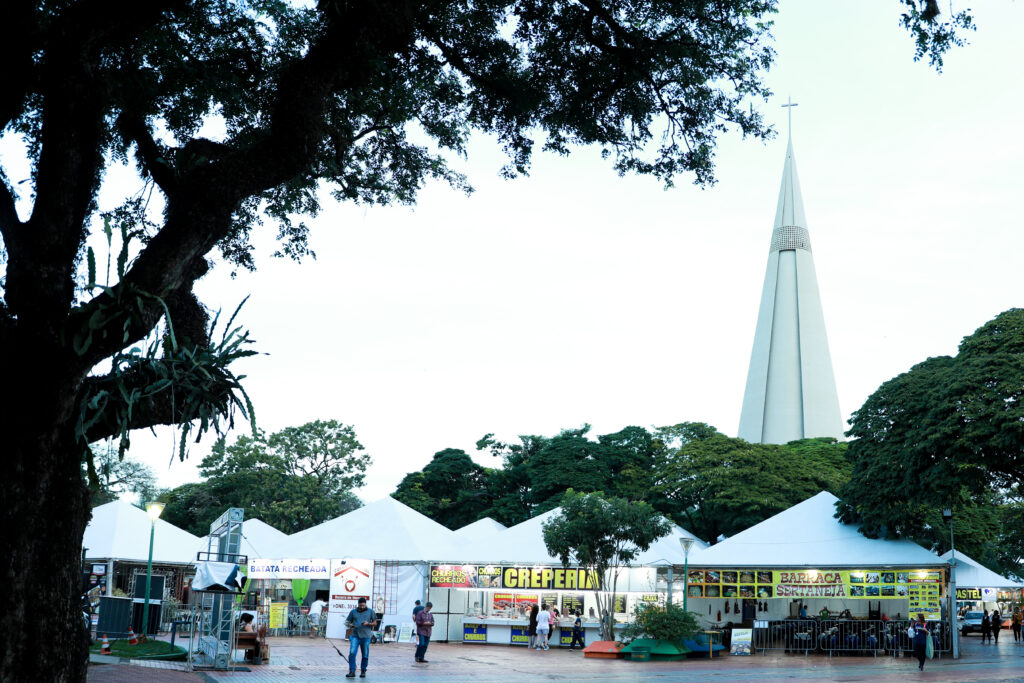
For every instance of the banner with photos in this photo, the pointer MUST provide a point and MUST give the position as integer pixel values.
(867, 584)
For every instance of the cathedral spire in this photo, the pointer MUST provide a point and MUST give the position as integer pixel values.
(791, 392)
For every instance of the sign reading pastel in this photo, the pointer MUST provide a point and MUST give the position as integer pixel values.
(288, 569)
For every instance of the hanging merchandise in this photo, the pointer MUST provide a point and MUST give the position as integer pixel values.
(726, 606)
(719, 616)
(736, 607)
(709, 609)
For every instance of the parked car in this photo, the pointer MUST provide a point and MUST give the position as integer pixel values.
(970, 623)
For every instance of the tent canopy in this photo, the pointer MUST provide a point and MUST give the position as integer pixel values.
(480, 529)
(524, 544)
(809, 535)
(972, 574)
(382, 530)
(120, 531)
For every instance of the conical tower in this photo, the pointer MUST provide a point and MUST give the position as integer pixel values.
(791, 392)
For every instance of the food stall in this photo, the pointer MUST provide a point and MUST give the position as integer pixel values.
(979, 588)
(805, 557)
(495, 600)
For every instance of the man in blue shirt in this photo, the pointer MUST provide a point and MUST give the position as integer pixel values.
(362, 621)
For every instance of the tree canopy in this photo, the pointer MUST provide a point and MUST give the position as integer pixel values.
(948, 433)
(115, 476)
(602, 534)
(714, 485)
(294, 479)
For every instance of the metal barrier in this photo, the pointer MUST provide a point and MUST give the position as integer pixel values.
(898, 639)
(846, 636)
(788, 635)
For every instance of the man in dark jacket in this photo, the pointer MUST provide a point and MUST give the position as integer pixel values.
(424, 627)
(362, 621)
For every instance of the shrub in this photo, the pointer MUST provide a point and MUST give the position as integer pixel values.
(661, 622)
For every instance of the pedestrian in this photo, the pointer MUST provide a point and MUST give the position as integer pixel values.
(1015, 624)
(531, 630)
(996, 626)
(986, 631)
(417, 609)
(315, 614)
(362, 621)
(424, 627)
(577, 632)
(921, 637)
(543, 627)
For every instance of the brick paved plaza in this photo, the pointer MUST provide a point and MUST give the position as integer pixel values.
(294, 660)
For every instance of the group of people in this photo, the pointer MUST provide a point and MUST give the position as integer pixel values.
(543, 622)
(992, 623)
(362, 621)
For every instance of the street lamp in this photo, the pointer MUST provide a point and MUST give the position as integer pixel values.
(153, 509)
(686, 543)
(947, 516)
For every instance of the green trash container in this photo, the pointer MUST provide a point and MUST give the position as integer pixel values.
(640, 654)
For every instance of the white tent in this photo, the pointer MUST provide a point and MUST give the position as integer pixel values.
(120, 531)
(478, 531)
(260, 540)
(972, 574)
(809, 535)
(383, 530)
(524, 544)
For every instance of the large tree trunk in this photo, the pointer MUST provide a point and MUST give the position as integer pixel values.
(44, 507)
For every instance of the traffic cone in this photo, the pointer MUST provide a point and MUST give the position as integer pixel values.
(105, 649)
(132, 638)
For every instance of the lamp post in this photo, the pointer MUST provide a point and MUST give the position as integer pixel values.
(947, 515)
(686, 543)
(153, 509)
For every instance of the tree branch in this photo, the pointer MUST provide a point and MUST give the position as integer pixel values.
(152, 155)
(40, 282)
(199, 212)
(19, 40)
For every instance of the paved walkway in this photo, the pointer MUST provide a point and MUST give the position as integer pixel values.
(296, 660)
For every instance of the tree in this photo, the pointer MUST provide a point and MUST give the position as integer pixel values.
(949, 432)
(715, 485)
(292, 480)
(602, 535)
(451, 489)
(114, 476)
(297, 98)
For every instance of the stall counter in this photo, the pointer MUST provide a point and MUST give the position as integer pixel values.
(499, 631)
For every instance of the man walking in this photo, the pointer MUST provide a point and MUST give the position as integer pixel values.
(417, 609)
(424, 627)
(362, 621)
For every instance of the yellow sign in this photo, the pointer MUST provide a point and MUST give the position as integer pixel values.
(550, 577)
(813, 583)
(278, 615)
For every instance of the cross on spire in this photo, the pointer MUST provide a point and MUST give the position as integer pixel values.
(789, 110)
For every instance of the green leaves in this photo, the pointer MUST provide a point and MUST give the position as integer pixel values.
(716, 485)
(668, 622)
(602, 534)
(293, 479)
(947, 433)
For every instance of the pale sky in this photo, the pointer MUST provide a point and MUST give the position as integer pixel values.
(575, 296)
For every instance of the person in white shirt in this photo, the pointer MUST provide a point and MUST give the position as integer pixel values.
(315, 611)
(543, 627)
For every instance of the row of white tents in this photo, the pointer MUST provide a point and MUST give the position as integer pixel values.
(805, 535)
